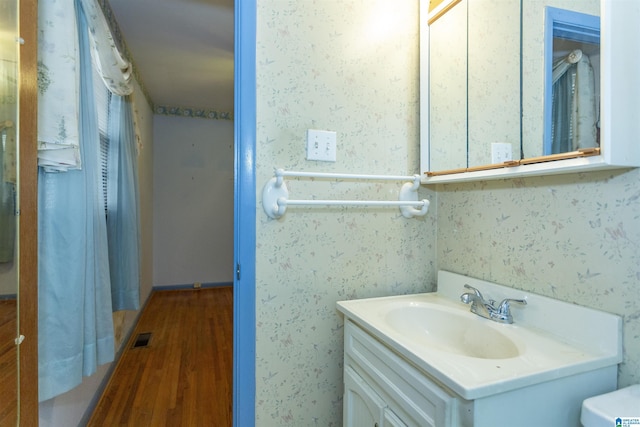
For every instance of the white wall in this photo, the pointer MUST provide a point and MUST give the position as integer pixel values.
(193, 201)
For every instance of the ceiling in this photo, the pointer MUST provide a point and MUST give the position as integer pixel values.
(182, 49)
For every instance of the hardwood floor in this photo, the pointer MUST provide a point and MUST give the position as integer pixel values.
(8, 363)
(184, 376)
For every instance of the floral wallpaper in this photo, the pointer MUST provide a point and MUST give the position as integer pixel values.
(571, 237)
(352, 67)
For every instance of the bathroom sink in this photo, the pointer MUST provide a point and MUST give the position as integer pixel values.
(475, 356)
(451, 332)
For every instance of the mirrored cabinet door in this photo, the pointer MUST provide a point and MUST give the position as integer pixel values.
(9, 266)
(523, 88)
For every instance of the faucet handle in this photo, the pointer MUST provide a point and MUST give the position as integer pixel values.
(475, 291)
(503, 312)
(504, 307)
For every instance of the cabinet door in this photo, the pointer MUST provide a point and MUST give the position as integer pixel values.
(412, 396)
(391, 419)
(362, 406)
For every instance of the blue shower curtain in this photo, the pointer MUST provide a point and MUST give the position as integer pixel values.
(122, 206)
(561, 124)
(75, 324)
(573, 112)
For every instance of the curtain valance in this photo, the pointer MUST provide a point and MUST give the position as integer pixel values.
(58, 111)
(58, 143)
(115, 70)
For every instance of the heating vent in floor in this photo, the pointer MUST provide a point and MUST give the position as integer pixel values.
(142, 340)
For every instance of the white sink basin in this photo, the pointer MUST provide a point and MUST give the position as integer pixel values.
(477, 357)
(444, 330)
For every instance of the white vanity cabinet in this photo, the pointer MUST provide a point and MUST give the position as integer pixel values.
(422, 360)
(382, 389)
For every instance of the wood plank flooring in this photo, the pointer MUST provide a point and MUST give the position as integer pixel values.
(184, 376)
(8, 363)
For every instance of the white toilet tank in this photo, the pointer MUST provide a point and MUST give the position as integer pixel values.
(620, 408)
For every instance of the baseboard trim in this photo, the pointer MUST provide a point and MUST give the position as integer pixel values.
(190, 286)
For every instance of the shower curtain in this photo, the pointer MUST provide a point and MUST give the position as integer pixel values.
(123, 220)
(80, 273)
(75, 325)
(574, 112)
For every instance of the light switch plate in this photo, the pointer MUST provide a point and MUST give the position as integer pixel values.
(321, 145)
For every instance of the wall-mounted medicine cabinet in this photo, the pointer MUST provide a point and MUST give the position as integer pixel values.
(490, 88)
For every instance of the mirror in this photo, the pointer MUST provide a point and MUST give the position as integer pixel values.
(486, 81)
(8, 220)
(572, 81)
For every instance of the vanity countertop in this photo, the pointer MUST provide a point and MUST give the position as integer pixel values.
(477, 357)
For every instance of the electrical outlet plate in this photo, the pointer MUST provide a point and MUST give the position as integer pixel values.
(321, 145)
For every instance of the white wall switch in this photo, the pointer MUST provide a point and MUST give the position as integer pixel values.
(501, 152)
(321, 145)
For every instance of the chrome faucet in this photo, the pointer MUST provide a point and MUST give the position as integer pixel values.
(487, 308)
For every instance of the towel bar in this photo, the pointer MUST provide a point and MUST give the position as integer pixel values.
(275, 195)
